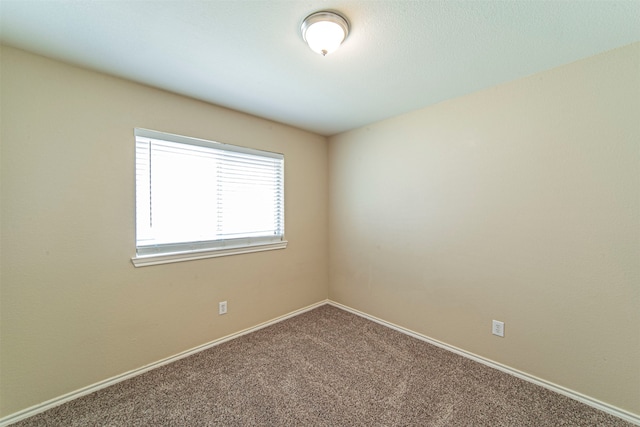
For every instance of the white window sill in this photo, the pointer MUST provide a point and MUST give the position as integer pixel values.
(146, 260)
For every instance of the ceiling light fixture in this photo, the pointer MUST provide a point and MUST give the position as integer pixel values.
(324, 31)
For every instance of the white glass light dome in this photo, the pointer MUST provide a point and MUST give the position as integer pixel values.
(324, 31)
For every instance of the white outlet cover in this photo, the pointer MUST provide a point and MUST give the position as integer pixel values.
(497, 328)
(222, 307)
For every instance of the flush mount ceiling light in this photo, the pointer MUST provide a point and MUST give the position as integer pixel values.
(324, 31)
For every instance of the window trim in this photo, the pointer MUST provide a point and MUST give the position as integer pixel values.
(188, 251)
(167, 258)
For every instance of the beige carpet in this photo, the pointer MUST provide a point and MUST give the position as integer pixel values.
(325, 367)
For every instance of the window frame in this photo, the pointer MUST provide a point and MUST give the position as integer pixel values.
(187, 251)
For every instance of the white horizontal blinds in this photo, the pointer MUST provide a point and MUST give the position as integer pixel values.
(205, 195)
(143, 191)
(183, 193)
(250, 196)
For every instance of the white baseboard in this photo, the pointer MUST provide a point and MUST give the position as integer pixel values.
(617, 412)
(36, 409)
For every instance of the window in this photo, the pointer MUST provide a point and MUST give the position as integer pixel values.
(199, 199)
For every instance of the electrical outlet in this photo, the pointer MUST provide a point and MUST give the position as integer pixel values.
(497, 328)
(222, 307)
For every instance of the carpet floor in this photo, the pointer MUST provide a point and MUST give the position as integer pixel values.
(325, 367)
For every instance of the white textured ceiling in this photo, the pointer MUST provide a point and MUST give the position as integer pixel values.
(250, 56)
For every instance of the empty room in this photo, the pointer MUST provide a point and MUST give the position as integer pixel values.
(322, 213)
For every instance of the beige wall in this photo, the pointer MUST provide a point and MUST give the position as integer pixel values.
(519, 203)
(74, 310)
